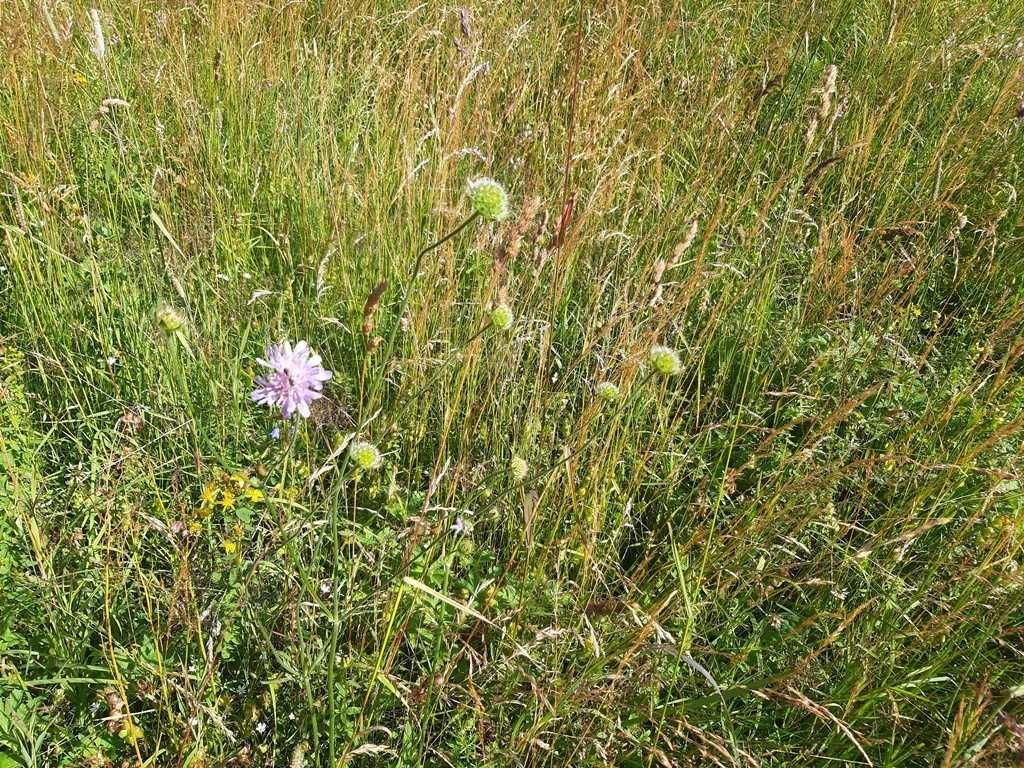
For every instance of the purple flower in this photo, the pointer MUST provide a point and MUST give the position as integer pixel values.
(459, 527)
(294, 381)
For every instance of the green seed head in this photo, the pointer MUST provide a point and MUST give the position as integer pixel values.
(169, 319)
(488, 199)
(518, 468)
(365, 455)
(502, 317)
(607, 391)
(665, 360)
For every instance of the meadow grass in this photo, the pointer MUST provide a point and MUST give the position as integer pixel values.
(802, 549)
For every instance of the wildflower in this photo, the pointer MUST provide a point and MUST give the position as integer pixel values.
(230, 547)
(254, 495)
(239, 480)
(518, 468)
(325, 587)
(209, 494)
(665, 360)
(227, 499)
(502, 317)
(460, 526)
(365, 455)
(295, 379)
(607, 391)
(194, 527)
(488, 198)
(169, 319)
(261, 727)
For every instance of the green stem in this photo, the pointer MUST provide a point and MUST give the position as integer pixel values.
(376, 385)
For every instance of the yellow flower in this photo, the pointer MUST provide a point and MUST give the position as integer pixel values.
(239, 480)
(194, 527)
(227, 499)
(209, 494)
(79, 78)
(230, 547)
(254, 494)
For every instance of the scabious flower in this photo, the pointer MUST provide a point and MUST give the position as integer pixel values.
(607, 391)
(169, 319)
(665, 360)
(365, 455)
(518, 468)
(488, 199)
(502, 317)
(295, 380)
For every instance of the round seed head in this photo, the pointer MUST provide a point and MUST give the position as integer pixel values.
(502, 317)
(169, 319)
(665, 360)
(488, 199)
(518, 468)
(365, 455)
(607, 391)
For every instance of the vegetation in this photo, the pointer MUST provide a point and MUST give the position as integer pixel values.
(709, 453)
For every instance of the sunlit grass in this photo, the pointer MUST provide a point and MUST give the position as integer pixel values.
(693, 439)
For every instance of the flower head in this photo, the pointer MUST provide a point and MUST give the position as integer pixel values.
(665, 360)
(502, 317)
(518, 468)
(169, 319)
(365, 455)
(295, 379)
(607, 391)
(488, 198)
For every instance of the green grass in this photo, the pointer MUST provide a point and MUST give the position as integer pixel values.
(803, 550)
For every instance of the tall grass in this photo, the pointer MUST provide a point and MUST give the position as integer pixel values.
(805, 549)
